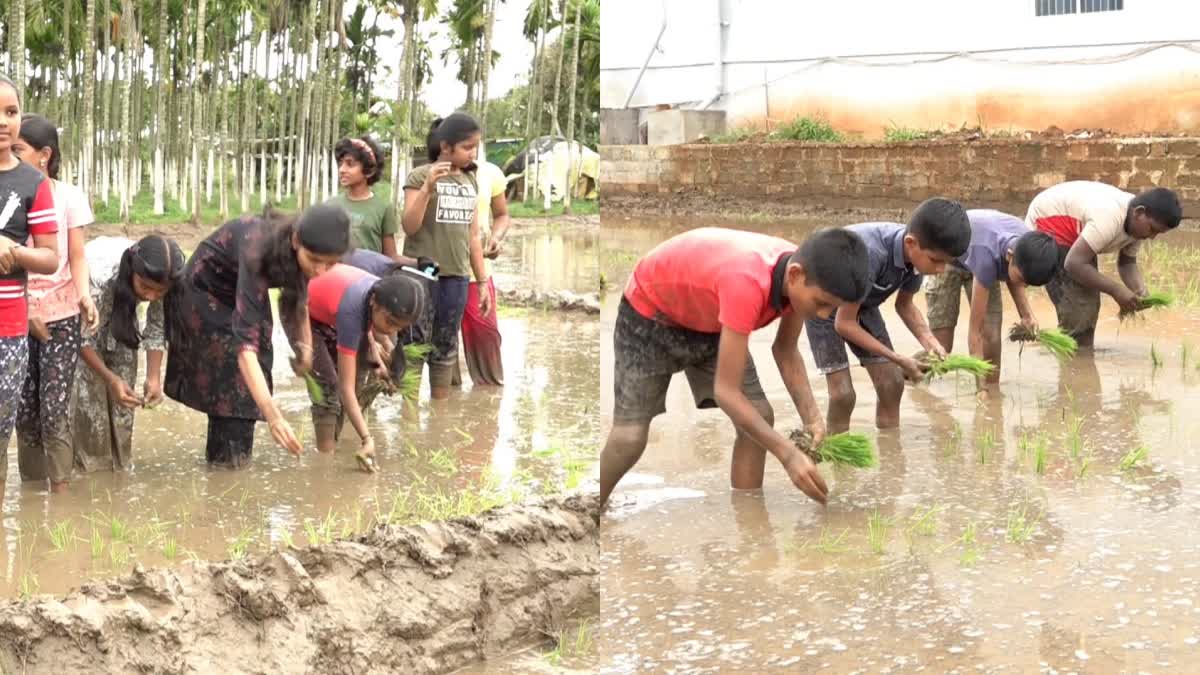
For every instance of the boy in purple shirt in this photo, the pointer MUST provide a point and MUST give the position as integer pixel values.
(1004, 249)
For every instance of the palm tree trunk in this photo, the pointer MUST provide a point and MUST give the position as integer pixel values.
(262, 146)
(403, 113)
(571, 110)
(223, 144)
(126, 72)
(87, 166)
(246, 51)
(105, 101)
(304, 189)
(160, 46)
(485, 72)
(284, 116)
(562, 47)
(196, 119)
(16, 40)
(534, 77)
(68, 158)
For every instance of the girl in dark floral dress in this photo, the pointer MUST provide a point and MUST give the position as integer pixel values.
(220, 322)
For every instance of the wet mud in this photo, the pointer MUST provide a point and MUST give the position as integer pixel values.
(427, 598)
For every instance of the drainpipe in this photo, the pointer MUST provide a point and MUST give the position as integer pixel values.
(653, 48)
(719, 63)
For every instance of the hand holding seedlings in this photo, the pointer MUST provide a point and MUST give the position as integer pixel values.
(805, 476)
(844, 449)
(152, 394)
(123, 393)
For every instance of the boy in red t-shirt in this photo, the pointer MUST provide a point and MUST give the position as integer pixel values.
(691, 304)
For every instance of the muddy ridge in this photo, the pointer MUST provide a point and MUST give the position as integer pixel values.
(426, 598)
(563, 301)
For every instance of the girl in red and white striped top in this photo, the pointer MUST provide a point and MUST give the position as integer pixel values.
(26, 214)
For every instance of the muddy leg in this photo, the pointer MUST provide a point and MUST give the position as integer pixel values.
(749, 458)
(621, 451)
(944, 336)
(841, 401)
(942, 298)
(889, 388)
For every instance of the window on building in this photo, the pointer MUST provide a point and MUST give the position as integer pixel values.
(1055, 7)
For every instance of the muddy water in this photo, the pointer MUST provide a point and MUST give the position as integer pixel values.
(170, 506)
(984, 563)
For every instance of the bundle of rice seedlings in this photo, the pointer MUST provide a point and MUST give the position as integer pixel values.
(954, 363)
(844, 449)
(1055, 341)
(1154, 300)
(410, 382)
(315, 393)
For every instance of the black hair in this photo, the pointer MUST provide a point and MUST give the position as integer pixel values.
(40, 133)
(6, 80)
(154, 257)
(372, 162)
(452, 130)
(941, 225)
(1161, 204)
(1036, 256)
(323, 229)
(402, 296)
(836, 261)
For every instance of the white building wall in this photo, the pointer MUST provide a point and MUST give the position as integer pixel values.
(907, 64)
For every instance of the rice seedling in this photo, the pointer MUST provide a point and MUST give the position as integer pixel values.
(955, 441)
(1134, 458)
(97, 543)
(286, 538)
(315, 393)
(1156, 359)
(1053, 340)
(877, 531)
(970, 544)
(321, 532)
(1020, 527)
(239, 546)
(1075, 437)
(410, 382)
(1085, 463)
(61, 535)
(844, 449)
(118, 556)
(467, 437)
(571, 644)
(1184, 352)
(829, 544)
(984, 445)
(170, 548)
(1040, 450)
(1153, 300)
(443, 462)
(925, 523)
(29, 585)
(956, 363)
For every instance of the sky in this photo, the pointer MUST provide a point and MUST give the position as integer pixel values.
(445, 94)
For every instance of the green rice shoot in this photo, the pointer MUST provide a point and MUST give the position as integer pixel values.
(1055, 341)
(848, 449)
(1134, 458)
(315, 393)
(954, 363)
(1154, 300)
(410, 382)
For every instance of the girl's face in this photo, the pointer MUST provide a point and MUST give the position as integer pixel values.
(39, 159)
(315, 264)
(350, 172)
(461, 154)
(383, 321)
(148, 290)
(10, 117)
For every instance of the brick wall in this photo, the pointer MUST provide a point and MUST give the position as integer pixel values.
(1003, 174)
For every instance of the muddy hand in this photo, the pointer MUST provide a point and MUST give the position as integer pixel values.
(913, 370)
(282, 432)
(91, 317)
(1128, 300)
(302, 361)
(366, 456)
(1031, 325)
(804, 475)
(437, 171)
(152, 394)
(817, 432)
(492, 250)
(123, 394)
(485, 301)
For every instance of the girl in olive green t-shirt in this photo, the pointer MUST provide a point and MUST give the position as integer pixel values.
(440, 222)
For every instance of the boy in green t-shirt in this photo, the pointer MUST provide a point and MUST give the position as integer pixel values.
(373, 222)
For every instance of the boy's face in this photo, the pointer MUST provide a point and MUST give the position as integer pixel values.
(925, 260)
(1142, 226)
(1014, 274)
(808, 300)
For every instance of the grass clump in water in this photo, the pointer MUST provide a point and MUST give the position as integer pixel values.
(1053, 340)
(1020, 527)
(844, 449)
(877, 531)
(571, 644)
(1134, 458)
(956, 363)
(1156, 359)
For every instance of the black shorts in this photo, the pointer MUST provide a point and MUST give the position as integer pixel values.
(829, 348)
(649, 353)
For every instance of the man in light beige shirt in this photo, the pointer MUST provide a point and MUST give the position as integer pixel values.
(1087, 218)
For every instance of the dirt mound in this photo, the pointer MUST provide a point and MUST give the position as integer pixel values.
(420, 599)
